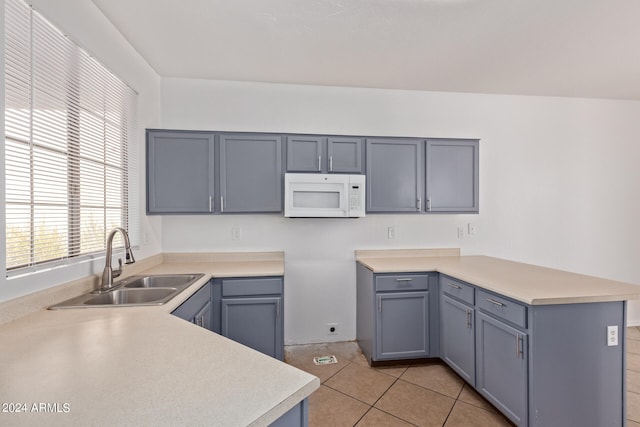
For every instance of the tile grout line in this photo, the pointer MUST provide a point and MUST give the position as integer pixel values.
(456, 399)
(381, 396)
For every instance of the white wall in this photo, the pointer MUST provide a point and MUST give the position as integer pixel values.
(558, 186)
(87, 26)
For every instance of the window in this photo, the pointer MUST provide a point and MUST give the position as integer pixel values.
(67, 126)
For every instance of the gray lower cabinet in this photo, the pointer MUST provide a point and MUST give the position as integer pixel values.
(540, 365)
(198, 308)
(457, 337)
(402, 325)
(502, 366)
(250, 173)
(298, 416)
(333, 154)
(452, 178)
(395, 315)
(180, 173)
(394, 175)
(250, 311)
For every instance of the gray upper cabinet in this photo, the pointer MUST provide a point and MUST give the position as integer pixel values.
(198, 172)
(250, 173)
(452, 175)
(344, 155)
(335, 154)
(180, 175)
(304, 153)
(394, 175)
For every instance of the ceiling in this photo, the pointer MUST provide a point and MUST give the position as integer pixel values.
(573, 48)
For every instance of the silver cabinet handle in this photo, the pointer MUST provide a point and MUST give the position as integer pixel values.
(451, 285)
(210, 203)
(419, 203)
(492, 301)
(330, 163)
(380, 304)
(469, 319)
(319, 163)
(519, 346)
(199, 321)
(428, 203)
(221, 203)
(404, 279)
(277, 309)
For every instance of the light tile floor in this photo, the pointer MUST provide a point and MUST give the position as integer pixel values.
(354, 394)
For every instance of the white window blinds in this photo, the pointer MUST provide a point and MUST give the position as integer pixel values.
(67, 125)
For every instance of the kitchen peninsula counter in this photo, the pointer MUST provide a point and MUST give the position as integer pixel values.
(530, 284)
(143, 366)
(543, 346)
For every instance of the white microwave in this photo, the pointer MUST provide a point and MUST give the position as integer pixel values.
(315, 195)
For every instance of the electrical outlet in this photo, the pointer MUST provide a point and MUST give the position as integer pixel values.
(391, 232)
(471, 229)
(612, 335)
(460, 232)
(332, 329)
(236, 233)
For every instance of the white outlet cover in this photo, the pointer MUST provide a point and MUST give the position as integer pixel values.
(612, 335)
(471, 228)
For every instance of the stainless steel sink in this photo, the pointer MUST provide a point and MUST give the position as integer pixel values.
(132, 296)
(135, 291)
(161, 281)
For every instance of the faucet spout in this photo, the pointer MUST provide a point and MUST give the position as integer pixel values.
(108, 274)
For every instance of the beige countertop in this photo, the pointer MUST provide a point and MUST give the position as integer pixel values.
(527, 283)
(142, 366)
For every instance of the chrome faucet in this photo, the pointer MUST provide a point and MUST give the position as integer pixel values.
(108, 274)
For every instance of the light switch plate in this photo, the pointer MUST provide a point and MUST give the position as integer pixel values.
(236, 233)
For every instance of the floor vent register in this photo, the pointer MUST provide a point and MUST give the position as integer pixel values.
(325, 360)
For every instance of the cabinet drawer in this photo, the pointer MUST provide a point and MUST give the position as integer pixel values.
(250, 286)
(402, 282)
(457, 289)
(503, 308)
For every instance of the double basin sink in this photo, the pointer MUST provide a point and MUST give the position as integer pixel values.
(135, 291)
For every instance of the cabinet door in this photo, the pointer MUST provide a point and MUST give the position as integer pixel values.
(254, 322)
(250, 173)
(180, 175)
(402, 325)
(452, 176)
(344, 155)
(457, 337)
(204, 317)
(501, 367)
(195, 306)
(304, 153)
(394, 175)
